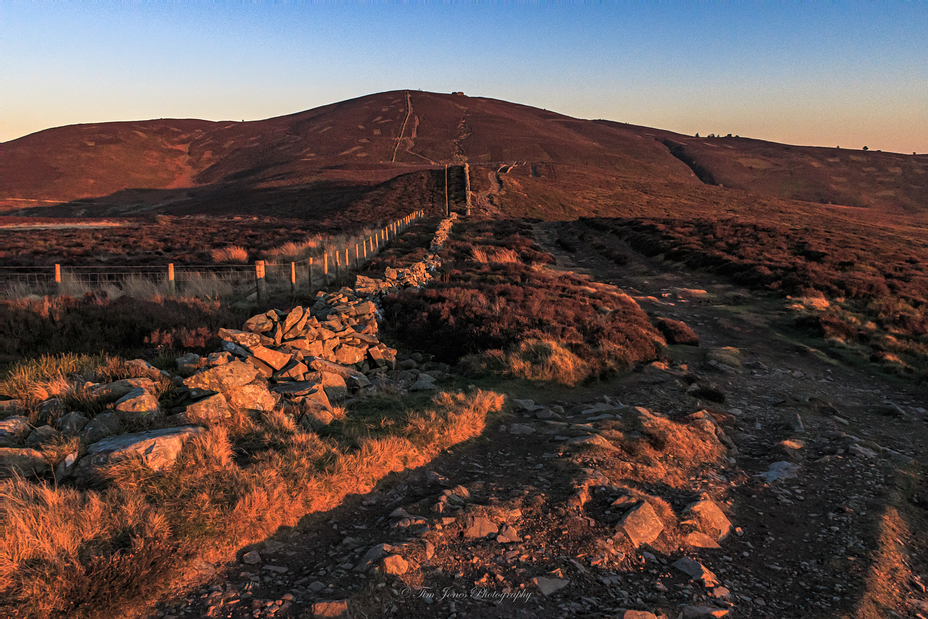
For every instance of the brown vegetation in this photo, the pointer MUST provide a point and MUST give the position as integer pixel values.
(495, 306)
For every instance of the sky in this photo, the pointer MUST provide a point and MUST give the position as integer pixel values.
(847, 74)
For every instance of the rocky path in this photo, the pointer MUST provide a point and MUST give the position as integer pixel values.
(587, 503)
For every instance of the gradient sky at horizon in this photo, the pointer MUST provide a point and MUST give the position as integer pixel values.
(814, 73)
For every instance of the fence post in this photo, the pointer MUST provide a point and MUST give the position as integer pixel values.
(357, 257)
(347, 265)
(310, 276)
(57, 278)
(365, 249)
(337, 265)
(260, 282)
(325, 269)
(172, 284)
(292, 277)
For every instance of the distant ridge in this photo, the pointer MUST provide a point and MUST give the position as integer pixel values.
(310, 157)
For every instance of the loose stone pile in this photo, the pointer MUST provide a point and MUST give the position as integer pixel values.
(307, 356)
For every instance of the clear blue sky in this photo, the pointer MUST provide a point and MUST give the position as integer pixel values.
(848, 74)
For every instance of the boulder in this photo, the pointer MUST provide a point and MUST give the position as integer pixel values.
(110, 392)
(274, 359)
(395, 565)
(188, 364)
(138, 402)
(697, 571)
(72, 423)
(549, 586)
(481, 527)
(642, 525)
(222, 378)
(337, 609)
(158, 449)
(142, 368)
(41, 435)
(14, 430)
(100, 427)
(261, 323)
(210, 410)
(251, 397)
(333, 385)
(22, 461)
(711, 519)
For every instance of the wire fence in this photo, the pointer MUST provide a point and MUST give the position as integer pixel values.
(206, 280)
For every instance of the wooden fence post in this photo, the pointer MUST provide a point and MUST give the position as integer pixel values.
(310, 276)
(292, 277)
(347, 264)
(172, 284)
(357, 257)
(325, 270)
(336, 267)
(58, 278)
(260, 282)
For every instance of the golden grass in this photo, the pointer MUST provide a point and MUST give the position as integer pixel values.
(230, 253)
(497, 255)
(541, 359)
(67, 552)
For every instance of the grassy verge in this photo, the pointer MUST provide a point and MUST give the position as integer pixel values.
(103, 551)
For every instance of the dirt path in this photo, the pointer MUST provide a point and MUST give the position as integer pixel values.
(520, 524)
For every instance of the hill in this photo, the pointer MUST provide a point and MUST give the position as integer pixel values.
(330, 156)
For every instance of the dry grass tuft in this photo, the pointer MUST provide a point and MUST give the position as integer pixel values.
(544, 360)
(230, 253)
(496, 255)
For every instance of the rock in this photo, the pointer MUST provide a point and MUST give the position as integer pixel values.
(331, 610)
(594, 440)
(222, 378)
(41, 435)
(158, 449)
(712, 520)
(251, 558)
(642, 525)
(50, 408)
(315, 417)
(22, 461)
(303, 391)
(372, 556)
(248, 339)
(142, 368)
(696, 571)
(636, 614)
(424, 385)
(861, 451)
(779, 471)
(219, 358)
(791, 448)
(702, 612)
(548, 586)
(188, 364)
(14, 430)
(261, 323)
(525, 406)
(795, 423)
(698, 539)
(210, 410)
(138, 402)
(100, 427)
(508, 535)
(395, 565)
(481, 527)
(110, 392)
(276, 360)
(251, 397)
(521, 428)
(333, 385)
(66, 467)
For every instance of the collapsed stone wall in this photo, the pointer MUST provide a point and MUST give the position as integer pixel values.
(306, 356)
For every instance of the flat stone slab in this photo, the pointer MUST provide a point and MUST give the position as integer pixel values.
(157, 448)
(548, 586)
(223, 378)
